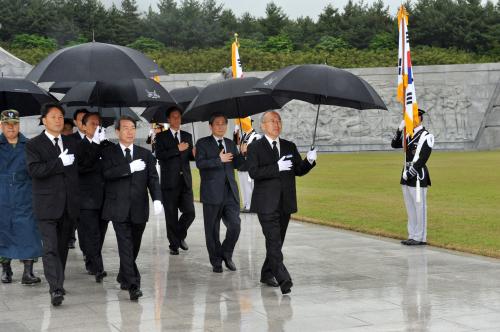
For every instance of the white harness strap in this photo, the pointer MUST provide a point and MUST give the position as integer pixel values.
(430, 141)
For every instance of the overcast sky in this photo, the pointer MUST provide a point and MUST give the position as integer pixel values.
(293, 8)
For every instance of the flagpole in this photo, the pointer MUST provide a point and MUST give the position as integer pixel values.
(403, 43)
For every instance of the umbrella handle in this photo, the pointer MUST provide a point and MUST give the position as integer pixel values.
(315, 126)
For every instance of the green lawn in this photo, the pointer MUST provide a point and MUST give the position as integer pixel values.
(361, 192)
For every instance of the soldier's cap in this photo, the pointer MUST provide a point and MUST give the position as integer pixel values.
(421, 111)
(9, 116)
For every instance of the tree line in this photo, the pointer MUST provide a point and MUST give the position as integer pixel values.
(469, 25)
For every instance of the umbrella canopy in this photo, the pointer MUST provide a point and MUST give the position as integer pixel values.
(183, 97)
(62, 87)
(94, 62)
(108, 114)
(321, 84)
(23, 96)
(234, 97)
(132, 92)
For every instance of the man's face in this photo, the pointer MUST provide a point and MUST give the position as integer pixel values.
(91, 125)
(10, 130)
(271, 124)
(219, 126)
(126, 133)
(68, 129)
(54, 121)
(174, 119)
(78, 121)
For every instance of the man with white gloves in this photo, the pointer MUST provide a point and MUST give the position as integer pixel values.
(415, 179)
(274, 163)
(130, 172)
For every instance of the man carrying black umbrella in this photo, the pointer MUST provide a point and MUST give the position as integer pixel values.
(174, 150)
(217, 157)
(273, 163)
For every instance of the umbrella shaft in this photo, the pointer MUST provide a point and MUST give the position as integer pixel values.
(315, 126)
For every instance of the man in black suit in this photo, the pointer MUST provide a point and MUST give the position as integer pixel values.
(129, 171)
(174, 150)
(273, 163)
(91, 228)
(78, 135)
(217, 157)
(51, 164)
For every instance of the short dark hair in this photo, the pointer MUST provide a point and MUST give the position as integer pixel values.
(44, 110)
(216, 115)
(70, 122)
(124, 117)
(173, 109)
(88, 115)
(78, 111)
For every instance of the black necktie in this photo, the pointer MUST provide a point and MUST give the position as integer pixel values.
(128, 156)
(275, 150)
(56, 140)
(221, 147)
(176, 136)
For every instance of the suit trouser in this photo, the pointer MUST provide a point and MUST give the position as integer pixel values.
(129, 236)
(92, 229)
(229, 211)
(417, 212)
(178, 198)
(274, 226)
(246, 187)
(55, 235)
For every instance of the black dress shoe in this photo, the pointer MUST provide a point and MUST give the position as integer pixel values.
(99, 276)
(422, 243)
(63, 291)
(405, 242)
(286, 286)
(135, 293)
(174, 252)
(270, 282)
(412, 242)
(217, 269)
(183, 245)
(229, 264)
(56, 298)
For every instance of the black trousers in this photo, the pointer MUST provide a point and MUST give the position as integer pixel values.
(55, 235)
(229, 211)
(129, 236)
(274, 226)
(92, 230)
(174, 200)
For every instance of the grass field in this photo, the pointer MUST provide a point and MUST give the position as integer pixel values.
(361, 192)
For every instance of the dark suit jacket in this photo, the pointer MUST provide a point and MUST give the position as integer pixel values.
(269, 183)
(89, 156)
(174, 164)
(54, 185)
(76, 136)
(213, 172)
(126, 193)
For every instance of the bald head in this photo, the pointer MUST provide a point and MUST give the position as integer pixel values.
(270, 123)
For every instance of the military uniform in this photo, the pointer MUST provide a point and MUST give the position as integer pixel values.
(415, 179)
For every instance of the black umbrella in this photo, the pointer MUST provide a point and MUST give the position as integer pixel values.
(94, 62)
(234, 97)
(108, 114)
(321, 84)
(132, 92)
(183, 97)
(62, 87)
(22, 95)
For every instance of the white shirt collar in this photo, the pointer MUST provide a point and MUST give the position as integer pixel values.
(82, 135)
(270, 140)
(131, 148)
(218, 139)
(416, 130)
(176, 131)
(51, 137)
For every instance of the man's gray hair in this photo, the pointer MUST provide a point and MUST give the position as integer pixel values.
(267, 112)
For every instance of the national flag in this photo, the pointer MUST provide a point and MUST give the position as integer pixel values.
(406, 85)
(235, 58)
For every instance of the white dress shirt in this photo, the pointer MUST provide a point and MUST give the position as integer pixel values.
(178, 134)
(130, 147)
(217, 139)
(59, 142)
(277, 140)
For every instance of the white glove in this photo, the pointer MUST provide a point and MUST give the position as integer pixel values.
(402, 125)
(312, 155)
(96, 139)
(151, 132)
(137, 166)
(284, 165)
(158, 207)
(101, 131)
(67, 159)
(405, 176)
